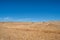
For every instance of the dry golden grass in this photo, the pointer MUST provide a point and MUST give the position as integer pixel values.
(29, 31)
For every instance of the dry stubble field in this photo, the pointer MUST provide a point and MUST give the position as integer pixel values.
(29, 30)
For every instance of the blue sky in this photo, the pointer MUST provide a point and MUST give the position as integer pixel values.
(29, 10)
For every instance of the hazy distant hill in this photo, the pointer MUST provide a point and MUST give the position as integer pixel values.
(30, 30)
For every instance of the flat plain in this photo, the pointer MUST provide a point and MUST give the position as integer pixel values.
(29, 30)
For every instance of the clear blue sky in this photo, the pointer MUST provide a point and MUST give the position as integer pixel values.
(27, 10)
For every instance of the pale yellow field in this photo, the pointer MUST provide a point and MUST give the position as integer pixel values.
(29, 30)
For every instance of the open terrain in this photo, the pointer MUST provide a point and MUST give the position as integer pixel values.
(29, 30)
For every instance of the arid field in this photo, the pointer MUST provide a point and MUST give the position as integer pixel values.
(29, 30)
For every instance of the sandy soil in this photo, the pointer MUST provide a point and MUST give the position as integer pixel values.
(29, 30)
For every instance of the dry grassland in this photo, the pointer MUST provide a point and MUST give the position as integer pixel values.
(29, 30)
